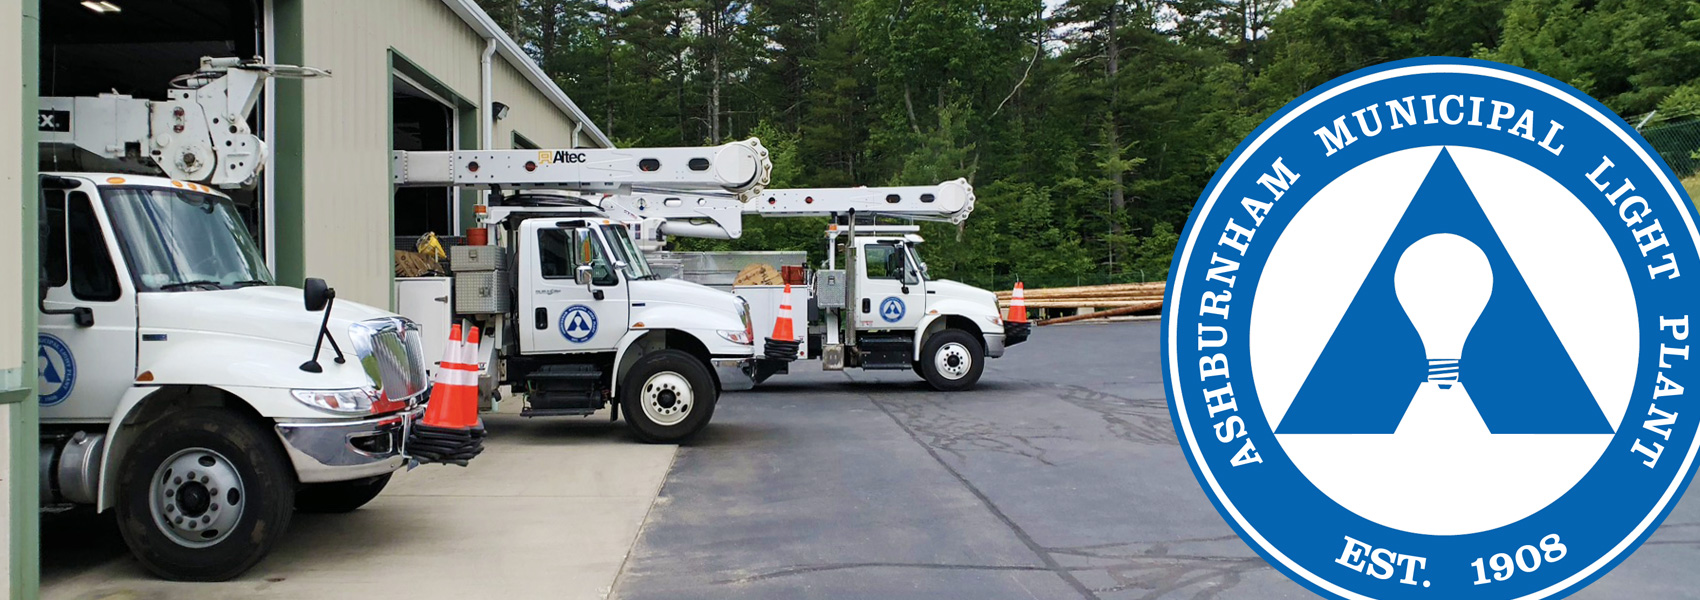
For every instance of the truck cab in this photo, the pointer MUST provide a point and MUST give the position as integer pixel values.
(172, 380)
(593, 326)
(941, 329)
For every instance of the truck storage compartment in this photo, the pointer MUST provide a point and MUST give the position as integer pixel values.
(482, 292)
(887, 351)
(571, 389)
(477, 258)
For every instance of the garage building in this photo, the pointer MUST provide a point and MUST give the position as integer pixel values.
(407, 75)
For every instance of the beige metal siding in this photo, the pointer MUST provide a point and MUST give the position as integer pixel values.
(346, 125)
(12, 271)
(11, 181)
(530, 113)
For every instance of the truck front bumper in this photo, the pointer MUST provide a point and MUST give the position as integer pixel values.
(735, 374)
(994, 344)
(325, 451)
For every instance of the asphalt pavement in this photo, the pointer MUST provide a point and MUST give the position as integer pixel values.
(1058, 477)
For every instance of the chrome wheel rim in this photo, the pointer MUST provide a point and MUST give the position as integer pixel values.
(197, 497)
(667, 398)
(953, 361)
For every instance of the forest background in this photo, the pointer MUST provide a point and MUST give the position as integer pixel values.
(1087, 127)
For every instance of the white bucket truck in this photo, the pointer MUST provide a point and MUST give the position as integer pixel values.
(179, 384)
(576, 319)
(877, 308)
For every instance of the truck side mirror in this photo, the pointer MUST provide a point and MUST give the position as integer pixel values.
(585, 275)
(315, 294)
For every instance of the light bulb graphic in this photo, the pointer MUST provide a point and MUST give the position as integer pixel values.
(1443, 282)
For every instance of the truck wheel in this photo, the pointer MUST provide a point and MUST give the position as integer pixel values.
(204, 494)
(668, 396)
(339, 496)
(952, 360)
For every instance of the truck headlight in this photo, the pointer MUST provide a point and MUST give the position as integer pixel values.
(737, 336)
(354, 401)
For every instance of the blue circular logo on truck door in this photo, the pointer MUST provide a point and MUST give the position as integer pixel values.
(578, 323)
(892, 309)
(56, 370)
(1429, 335)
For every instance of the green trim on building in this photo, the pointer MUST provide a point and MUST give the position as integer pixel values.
(389, 165)
(25, 422)
(289, 175)
(521, 142)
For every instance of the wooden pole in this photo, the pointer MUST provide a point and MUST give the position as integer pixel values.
(1116, 312)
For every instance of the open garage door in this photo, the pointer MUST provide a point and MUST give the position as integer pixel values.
(136, 47)
(423, 120)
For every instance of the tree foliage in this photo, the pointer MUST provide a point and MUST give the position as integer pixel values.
(1088, 127)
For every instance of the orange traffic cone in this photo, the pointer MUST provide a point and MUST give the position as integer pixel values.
(463, 411)
(783, 344)
(782, 325)
(450, 431)
(1016, 328)
(443, 386)
(1018, 305)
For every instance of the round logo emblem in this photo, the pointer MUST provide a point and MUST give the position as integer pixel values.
(892, 309)
(578, 323)
(1429, 332)
(56, 370)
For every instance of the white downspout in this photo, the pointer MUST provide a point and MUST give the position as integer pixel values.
(487, 112)
(268, 121)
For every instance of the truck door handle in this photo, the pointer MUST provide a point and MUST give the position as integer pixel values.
(443, 299)
(867, 306)
(542, 318)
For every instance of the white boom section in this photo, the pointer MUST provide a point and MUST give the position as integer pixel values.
(738, 167)
(702, 216)
(199, 134)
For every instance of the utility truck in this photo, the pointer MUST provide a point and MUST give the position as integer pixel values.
(180, 385)
(872, 304)
(577, 320)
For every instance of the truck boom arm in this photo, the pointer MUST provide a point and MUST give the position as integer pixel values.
(737, 167)
(703, 216)
(200, 133)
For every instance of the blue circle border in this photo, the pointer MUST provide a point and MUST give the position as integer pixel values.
(1216, 180)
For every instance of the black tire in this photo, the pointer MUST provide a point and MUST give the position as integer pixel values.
(959, 346)
(339, 496)
(641, 386)
(264, 500)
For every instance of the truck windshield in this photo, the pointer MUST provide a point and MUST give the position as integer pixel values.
(621, 240)
(182, 240)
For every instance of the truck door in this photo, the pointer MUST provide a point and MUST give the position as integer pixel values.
(82, 370)
(893, 295)
(565, 315)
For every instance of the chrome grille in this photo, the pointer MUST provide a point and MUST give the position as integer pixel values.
(392, 355)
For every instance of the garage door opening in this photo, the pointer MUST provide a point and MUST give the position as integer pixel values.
(137, 51)
(424, 121)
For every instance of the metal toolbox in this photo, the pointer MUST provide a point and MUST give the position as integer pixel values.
(481, 292)
(463, 259)
(829, 288)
